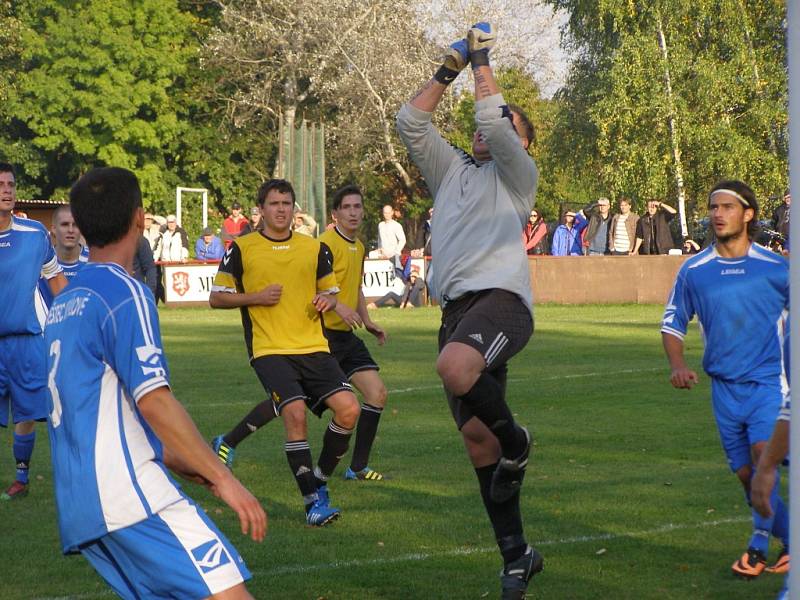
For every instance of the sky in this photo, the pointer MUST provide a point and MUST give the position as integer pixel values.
(528, 33)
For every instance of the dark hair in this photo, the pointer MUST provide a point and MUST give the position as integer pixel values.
(527, 127)
(746, 192)
(104, 203)
(279, 185)
(348, 190)
(7, 168)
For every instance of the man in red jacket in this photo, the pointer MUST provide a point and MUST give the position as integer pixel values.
(233, 225)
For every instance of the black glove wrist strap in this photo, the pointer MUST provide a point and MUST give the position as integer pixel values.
(479, 59)
(445, 75)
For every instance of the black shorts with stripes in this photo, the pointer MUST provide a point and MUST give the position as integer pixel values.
(350, 352)
(494, 322)
(311, 378)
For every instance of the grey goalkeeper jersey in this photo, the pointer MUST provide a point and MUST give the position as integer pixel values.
(480, 209)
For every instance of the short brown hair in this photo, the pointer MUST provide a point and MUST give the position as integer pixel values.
(280, 185)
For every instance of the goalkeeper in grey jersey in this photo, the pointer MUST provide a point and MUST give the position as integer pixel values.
(482, 201)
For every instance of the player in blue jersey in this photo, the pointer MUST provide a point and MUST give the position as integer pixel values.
(740, 294)
(70, 253)
(115, 426)
(25, 255)
(776, 451)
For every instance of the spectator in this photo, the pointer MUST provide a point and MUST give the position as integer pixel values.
(391, 237)
(174, 242)
(255, 222)
(652, 231)
(407, 288)
(780, 216)
(690, 247)
(305, 224)
(208, 246)
(233, 226)
(567, 238)
(534, 236)
(423, 242)
(622, 236)
(152, 233)
(598, 217)
(144, 267)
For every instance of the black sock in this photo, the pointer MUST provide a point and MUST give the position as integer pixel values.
(505, 517)
(298, 454)
(334, 446)
(262, 414)
(365, 435)
(487, 403)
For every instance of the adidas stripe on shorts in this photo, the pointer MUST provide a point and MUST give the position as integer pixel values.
(495, 322)
(177, 553)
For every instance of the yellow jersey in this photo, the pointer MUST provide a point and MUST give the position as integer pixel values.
(303, 266)
(348, 266)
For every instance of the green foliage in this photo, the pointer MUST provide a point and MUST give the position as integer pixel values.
(96, 84)
(729, 92)
(520, 89)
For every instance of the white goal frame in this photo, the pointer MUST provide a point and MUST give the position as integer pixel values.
(179, 191)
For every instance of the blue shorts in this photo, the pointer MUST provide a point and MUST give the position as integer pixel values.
(23, 378)
(745, 414)
(178, 553)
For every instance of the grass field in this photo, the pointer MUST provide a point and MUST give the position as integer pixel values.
(628, 496)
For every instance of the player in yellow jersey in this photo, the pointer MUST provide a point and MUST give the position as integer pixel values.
(282, 283)
(350, 313)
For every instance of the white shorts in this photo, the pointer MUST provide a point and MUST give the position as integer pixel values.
(178, 553)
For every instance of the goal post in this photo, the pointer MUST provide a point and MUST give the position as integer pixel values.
(179, 191)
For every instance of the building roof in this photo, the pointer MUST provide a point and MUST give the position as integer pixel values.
(39, 203)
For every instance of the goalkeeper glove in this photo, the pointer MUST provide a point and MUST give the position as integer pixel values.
(455, 58)
(480, 39)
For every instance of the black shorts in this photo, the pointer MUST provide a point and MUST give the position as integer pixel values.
(350, 352)
(308, 377)
(494, 322)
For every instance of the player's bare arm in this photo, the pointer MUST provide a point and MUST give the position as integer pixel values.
(764, 480)
(348, 315)
(682, 377)
(190, 454)
(269, 296)
(480, 39)
(429, 95)
(57, 283)
(325, 301)
(369, 324)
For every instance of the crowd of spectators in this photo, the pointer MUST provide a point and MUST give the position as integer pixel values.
(595, 231)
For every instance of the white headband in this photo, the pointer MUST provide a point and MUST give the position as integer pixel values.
(736, 195)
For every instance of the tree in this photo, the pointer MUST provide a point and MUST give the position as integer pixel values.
(528, 33)
(95, 87)
(666, 97)
(348, 63)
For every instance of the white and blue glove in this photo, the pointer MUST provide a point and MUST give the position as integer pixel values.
(456, 58)
(480, 39)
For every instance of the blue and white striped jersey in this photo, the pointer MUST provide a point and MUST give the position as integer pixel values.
(25, 255)
(104, 355)
(742, 305)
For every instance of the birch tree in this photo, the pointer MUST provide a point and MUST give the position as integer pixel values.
(666, 97)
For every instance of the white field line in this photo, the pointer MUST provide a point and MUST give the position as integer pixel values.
(419, 556)
(438, 386)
